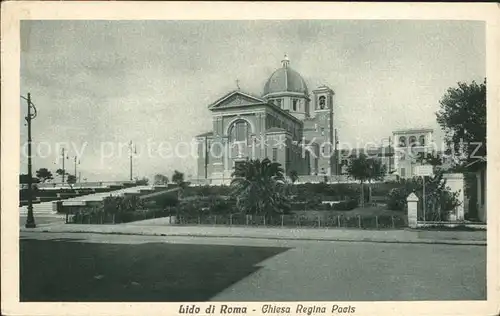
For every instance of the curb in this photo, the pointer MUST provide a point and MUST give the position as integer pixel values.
(367, 240)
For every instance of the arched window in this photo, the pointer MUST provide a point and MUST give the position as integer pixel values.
(413, 141)
(422, 140)
(240, 131)
(278, 102)
(322, 102)
(294, 104)
(402, 141)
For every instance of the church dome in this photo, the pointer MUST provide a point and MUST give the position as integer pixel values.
(285, 79)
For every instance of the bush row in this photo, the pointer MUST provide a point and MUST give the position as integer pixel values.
(339, 206)
(335, 191)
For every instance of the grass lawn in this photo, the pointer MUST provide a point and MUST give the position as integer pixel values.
(90, 272)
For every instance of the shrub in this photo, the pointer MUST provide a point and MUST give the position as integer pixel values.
(324, 207)
(298, 206)
(166, 200)
(345, 205)
(219, 206)
(439, 199)
(396, 199)
(383, 188)
(323, 191)
(207, 190)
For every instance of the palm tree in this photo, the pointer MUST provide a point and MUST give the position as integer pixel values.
(259, 187)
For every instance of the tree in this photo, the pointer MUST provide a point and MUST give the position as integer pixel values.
(178, 178)
(143, 181)
(43, 174)
(429, 159)
(462, 116)
(160, 179)
(60, 172)
(365, 169)
(294, 176)
(71, 179)
(439, 199)
(259, 187)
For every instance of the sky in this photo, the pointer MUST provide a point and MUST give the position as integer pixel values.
(98, 85)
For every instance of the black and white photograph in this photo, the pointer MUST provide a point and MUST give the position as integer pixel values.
(246, 166)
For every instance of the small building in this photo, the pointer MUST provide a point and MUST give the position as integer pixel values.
(408, 145)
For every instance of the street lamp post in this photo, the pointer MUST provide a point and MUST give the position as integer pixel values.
(30, 220)
(133, 150)
(389, 155)
(76, 162)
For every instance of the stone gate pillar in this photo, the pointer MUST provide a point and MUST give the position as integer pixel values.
(412, 201)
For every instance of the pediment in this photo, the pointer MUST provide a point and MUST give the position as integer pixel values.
(236, 99)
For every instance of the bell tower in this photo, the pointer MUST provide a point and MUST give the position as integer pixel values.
(323, 99)
(323, 116)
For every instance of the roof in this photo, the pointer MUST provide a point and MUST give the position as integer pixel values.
(379, 151)
(156, 194)
(285, 79)
(205, 134)
(413, 130)
(248, 96)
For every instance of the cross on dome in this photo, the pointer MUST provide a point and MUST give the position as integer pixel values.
(285, 62)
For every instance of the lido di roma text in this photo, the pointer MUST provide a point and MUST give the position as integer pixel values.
(300, 309)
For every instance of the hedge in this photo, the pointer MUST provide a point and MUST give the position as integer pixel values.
(304, 221)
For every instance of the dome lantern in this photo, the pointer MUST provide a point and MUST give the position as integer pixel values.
(285, 62)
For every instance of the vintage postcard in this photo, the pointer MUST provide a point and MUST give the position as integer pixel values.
(250, 158)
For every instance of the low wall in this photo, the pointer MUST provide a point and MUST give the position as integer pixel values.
(478, 226)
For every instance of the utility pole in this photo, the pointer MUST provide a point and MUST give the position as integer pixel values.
(390, 155)
(63, 170)
(206, 157)
(76, 163)
(30, 220)
(336, 153)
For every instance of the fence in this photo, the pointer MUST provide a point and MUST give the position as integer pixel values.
(82, 217)
(291, 221)
(296, 221)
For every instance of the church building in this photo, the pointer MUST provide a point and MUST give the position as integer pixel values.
(286, 124)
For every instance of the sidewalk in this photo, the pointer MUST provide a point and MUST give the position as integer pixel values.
(333, 234)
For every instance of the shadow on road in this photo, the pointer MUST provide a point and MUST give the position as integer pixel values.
(73, 271)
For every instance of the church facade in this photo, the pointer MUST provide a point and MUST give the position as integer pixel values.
(286, 124)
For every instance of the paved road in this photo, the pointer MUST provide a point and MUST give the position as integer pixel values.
(338, 271)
